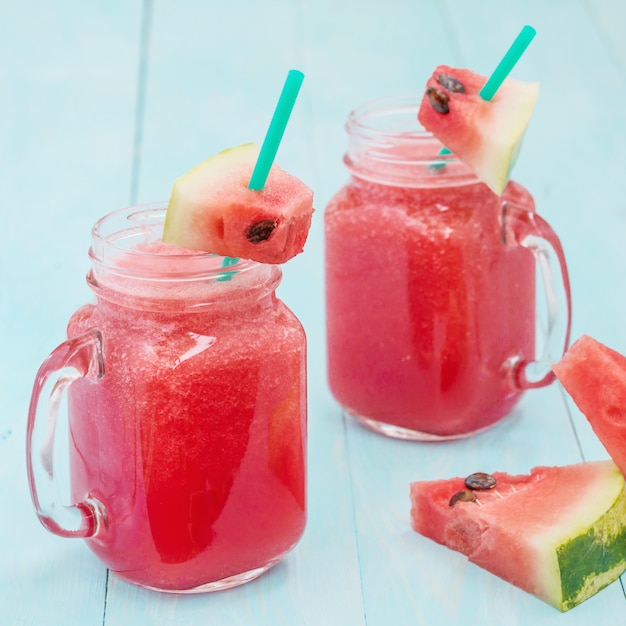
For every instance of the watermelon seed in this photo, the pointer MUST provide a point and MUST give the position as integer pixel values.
(463, 496)
(438, 100)
(451, 83)
(480, 481)
(260, 231)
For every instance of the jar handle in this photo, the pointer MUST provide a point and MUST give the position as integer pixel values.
(525, 228)
(75, 358)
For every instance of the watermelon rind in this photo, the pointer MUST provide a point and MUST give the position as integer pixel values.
(558, 533)
(603, 548)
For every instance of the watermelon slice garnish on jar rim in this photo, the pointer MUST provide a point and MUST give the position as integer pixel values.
(212, 209)
(485, 134)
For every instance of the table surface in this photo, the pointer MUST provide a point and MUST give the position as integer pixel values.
(104, 104)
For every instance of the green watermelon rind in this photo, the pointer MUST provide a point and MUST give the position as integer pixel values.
(604, 549)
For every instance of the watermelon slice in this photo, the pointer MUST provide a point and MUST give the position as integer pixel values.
(212, 209)
(594, 375)
(486, 135)
(558, 533)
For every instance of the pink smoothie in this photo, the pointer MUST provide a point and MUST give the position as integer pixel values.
(194, 438)
(425, 304)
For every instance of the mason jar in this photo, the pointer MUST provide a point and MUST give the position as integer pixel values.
(431, 304)
(185, 387)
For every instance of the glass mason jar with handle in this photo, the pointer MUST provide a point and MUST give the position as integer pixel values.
(431, 307)
(185, 384)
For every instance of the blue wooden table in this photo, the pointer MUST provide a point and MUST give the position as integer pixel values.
(103, 104)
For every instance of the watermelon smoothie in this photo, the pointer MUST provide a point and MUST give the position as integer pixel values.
(192, 440)
(430, 298)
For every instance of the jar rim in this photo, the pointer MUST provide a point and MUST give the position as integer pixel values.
(388, 145)
(400, 104)
(132, 266)
(127, 242)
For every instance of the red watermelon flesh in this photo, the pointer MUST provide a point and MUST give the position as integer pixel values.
(486, 135)
(594, 375)
(211, 209)
(558, 533)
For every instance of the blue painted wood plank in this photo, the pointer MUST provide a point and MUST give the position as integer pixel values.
(67, 94)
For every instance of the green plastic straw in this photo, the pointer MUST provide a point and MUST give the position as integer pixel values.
(503, 69)
(276, 129)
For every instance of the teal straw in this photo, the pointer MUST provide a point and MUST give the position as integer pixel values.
(228, 262)
(270, 145)
(276, 129)
(503, 69)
